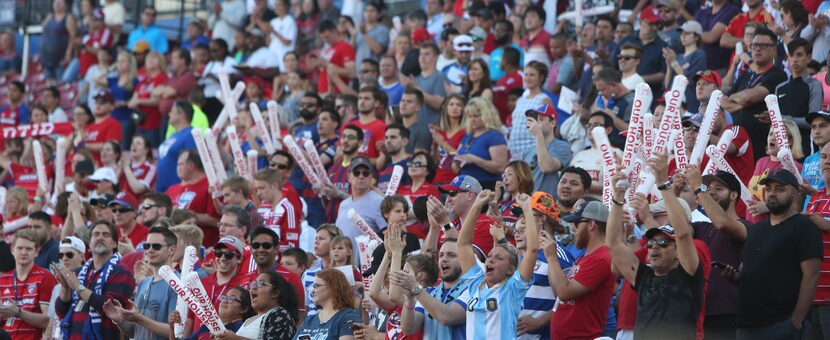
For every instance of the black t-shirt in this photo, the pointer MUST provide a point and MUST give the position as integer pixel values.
(746, 118)
(771, 275)
(721, 295)
(668, 306)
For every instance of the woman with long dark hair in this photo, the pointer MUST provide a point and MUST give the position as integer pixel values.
(234, 308)
(477, 83)
(275, 303)
(138, 173)
(446, 136)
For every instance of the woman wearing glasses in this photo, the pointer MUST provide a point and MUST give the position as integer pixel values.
(421, 170)
(333, 294)
(275, 304)
(234, 308)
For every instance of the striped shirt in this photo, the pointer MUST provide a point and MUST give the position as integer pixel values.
(540, 298)
(434, 330)
(284, 220)
(820, 204)
(308, 280)
(492, 312)
(339, 175)
(521, 140)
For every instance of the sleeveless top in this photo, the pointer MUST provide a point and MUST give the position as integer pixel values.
(54, 42)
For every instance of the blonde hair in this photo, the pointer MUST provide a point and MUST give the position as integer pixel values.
(125, 80)
(794, 137)
(190, 234)
(21, 195)
(343, 240)
(161, 59)
(488, 112)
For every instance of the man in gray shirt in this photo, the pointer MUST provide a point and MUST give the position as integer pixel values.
(432, 83)
(371, 38)
(550, 154)
(420, 138)
(363, 199)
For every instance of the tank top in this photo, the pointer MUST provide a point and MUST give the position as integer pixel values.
(55, 41)
(825, 100)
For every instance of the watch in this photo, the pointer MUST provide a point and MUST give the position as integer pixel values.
(416, 290)
(664, 186)
(702, 188)
(81, 289)
(449, 226)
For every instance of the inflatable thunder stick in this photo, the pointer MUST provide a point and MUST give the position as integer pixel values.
(182, 291)
(262, 129)
(673, 100)
(642, 101)
(395, 180)
(274, 124)
(216, 158)
(252, 164)
(362, 225)
(787, 161)
(211, 316)
(40, 167)
(60, 164)
(609, 163)
(719, 149)
(709, 119)
(776, 122)
(316, 163)
(295, 151)
(721, 164)
(220, 122)
(240, 161)
(189, 260)
(204, 155)
(648, 135)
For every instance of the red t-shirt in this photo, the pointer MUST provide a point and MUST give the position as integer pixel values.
(101, 38)
(247, 265)
(215, 290)
(152, 113)
(820, 204)
(285, 220)
(338, 55)
(145, 172)
(26, 178)
(107, 130)
(584, 317)
(373, 132)
(482, 240)
(426, 189)
(195, 197)
(506, 84)
(29, 294)
(443, 169)
(138, 235)
(10, 116)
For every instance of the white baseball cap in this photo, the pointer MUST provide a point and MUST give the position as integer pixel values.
(104, 174)
(72, 242)
(463, 43)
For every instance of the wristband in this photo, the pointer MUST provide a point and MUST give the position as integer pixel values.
(37, 199)
(675, 64)
(617, 202)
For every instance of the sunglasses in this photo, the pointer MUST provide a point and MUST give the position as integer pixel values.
(453, 193)
(264, 245)
(278, 165)
(691, 128)
(760, 45)
(363, 173)
(417, 165)
(148, 207)
(308, 104)
(121, 210)
(229, 298)
(226, 254)
(154, 246)
(68, 255)
(663, 243)
(627, 58)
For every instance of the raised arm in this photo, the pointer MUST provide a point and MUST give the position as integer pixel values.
(732, 227)
(394, 245)
(622, 257)
(446, 314)
(466, 254)
(532, 235)
(686, 251)
(376, 292)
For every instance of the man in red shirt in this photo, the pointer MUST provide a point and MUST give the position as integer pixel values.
(179, 85)
(536, 36)
(276, 211)
(818, 209)
(512, 79)
(98, 38)
(25, 292)
(228, 256)
(192, 194)
(374, 130)
(461, 193)
(585, 291)
(337, 58)
(17, 112)
(103, 129)
(131, 233)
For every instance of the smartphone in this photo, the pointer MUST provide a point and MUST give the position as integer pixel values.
(532, 114)
(719, 265)
(353, 325)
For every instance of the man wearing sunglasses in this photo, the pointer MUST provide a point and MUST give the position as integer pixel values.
(154, 299)
(670, 290)
(461, 193)
(131, 232)
(229, 253)
(26, 290)
(266, 254)
(363, 199)
(154, 206)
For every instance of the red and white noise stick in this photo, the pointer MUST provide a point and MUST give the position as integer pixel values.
(240, 161)
(787, 161)
(230, 101)
(223, 116)
(719, 149)
(362, 225)
(394, 181)
(680, 157)
(609, 163)
(673, 100)
(216, 158)
(259, 124)
(709, 118)
(60, 165)
(40, 167)
(189, 260)
(252, 164)
(648, 135)
(298, 155)
(211, 317)
(182, 291)
(316, 163)
(721, 164)
(204, 155)
(3, 191)
(634, 178)
(274, 122)
(642, 101)
(365, 249)
(776, 122)
(647, 181)
(11, 227)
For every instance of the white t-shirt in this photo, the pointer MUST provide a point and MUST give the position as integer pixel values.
(262, 58)
(287, 28)
(213, 67)
(58, 116)
(114, 13)
(250, 329)
(631, 81)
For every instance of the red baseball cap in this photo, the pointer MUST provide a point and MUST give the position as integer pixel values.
(708, 75)
(650, 14)
(544, 110)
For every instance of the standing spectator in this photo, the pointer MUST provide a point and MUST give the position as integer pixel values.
(16, 112)
(419, 134)
(652, 64)
(71, 256)
(131, 233)
(148, 32)
(265, 253)
(51, 101)
(121, 84)
(536, 43)
(371, 38)
(169, 151)
(630, 58)
(517, 179)
(99, 280)
(388, 81)
(220, 60)
(689, 63)
(25, 309)
(337, 59)
(351, 137)
(275, 303)
(447, 55)
(818, 33)
(145, 103)
(483, 150)
(195, 36)
(796, 260)
(550, 154)
(103, 129)
(818, 211)
(820, 135)
(59, 27)
(373, 129)
(277, 212)
(178, 86)
(431, 82)
(503, 39)
(228, 252)
(99, 37)
(794, 18)
(801, 93)
(456, 71)
(520, 139)
(769, 163)
(281, 31)
(714, 21)
(41, 224)
(591, 159)
(154, 207)
(735, 29)
(192, 194)
(395, 140)
(364, 200)
(562, 72)
(447, 136)
(745, 101)
(226, 19)
(421, 171)
(510, 81)
(477, 82)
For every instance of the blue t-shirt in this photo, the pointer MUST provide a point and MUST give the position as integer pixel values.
(540, 298)
(480, 146)
(434, 329)
(811, 171)
(494, 63)
(394, 93)
(153, 35)
(261, 161)
(455, 73)
(306, 131)
(333, 329)
(169, 152)
(48, 254)
(120, 94)
(155, 300)
(492, 312)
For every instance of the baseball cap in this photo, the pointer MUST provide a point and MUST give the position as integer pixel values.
(231, 242)
(72, 242)
(814, 115)
(420, 35)
(728, 179)
(593, 210)
(463, 43)
(104, 174)
(98, 13)
(105, 96)
(708, 75)
(691, 26)
(545, 203)
(781, 176)
(544, 110)
(659, 207)
(462, 182)
(650, 14)
(478, 33)
(141, 46)
(361, 161)
(102, 200)
(665, 230)
(695, 120)
(124, 199)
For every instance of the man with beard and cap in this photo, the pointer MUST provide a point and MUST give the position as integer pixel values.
(503, 39)
(310, 106)
(724, 232)
(351, 138)
(265, 252)
(670, 291)
(784, 253)
(81, 301)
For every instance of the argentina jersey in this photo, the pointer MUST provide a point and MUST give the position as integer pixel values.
(540, 298)
(492, 312)
(434, 330)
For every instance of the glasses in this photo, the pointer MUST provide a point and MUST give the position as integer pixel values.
(278, 165)
(258, 284)
(148, 207)
(361, 173)
(760, 45)
(308, 104)
(228, 255)
(68, 255)
(264, 245)
(628, 57)
(229, 298)
(663, 243)
(691, 128)
(317, 285)
(121, 210)
(366, 71)
(417, 165)
(154, 246)
(348, 137)
(453, 193)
